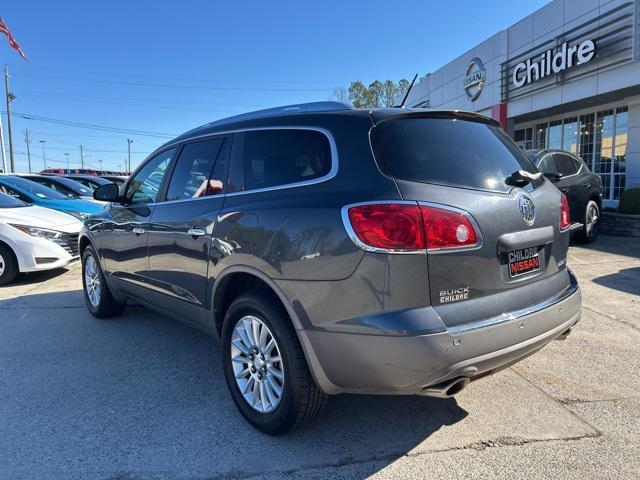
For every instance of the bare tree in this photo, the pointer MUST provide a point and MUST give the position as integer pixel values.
(340, 94)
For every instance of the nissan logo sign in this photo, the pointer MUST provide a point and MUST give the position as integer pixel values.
(474, 78)
(553, 62)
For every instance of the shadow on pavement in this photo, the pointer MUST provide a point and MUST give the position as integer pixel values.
(142, 395)
(616, 245)
(33, 278)
(627, 280)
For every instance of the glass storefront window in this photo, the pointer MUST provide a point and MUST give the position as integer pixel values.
(620, 152)
(541, 135)
(599, 138)
(554, 135)
(585, 139)
(570, 135)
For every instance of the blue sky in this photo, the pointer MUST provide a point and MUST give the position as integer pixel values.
(167, 67)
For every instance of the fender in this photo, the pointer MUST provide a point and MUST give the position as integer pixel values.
(312, 360)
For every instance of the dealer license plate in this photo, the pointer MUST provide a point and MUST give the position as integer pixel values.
(523, 261)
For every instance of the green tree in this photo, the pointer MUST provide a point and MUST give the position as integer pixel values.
(377, 94)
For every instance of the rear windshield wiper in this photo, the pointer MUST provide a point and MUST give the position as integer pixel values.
(520, 178)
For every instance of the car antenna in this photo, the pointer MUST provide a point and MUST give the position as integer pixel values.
(406, 95)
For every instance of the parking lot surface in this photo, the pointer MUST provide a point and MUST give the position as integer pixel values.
(142, 396)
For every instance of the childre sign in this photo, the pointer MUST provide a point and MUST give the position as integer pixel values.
(553, 62)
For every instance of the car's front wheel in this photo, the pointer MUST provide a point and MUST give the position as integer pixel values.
(265, 367)
(8, 266)
(99, 299)
(589, 233)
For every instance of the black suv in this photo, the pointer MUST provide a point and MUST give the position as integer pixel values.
(582, 187)
(335, 250)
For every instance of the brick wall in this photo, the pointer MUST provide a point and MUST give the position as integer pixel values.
(620, 224)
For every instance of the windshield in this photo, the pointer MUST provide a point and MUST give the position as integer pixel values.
(9, 202)
(34, 188)
(70, 185)
(448, 151)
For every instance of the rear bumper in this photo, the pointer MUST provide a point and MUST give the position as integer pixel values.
(404, 365)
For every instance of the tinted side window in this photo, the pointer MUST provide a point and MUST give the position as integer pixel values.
(548, 164)
(145, 186)
(566, 164)
(192, 176)
(281, 157)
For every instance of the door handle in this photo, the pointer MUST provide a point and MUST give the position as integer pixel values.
(197, 232)
(564, 189)
(138, 230)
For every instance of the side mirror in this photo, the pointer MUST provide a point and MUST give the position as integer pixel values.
(553, 176)
(107, 193)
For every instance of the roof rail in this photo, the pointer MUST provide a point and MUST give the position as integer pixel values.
(297, 108)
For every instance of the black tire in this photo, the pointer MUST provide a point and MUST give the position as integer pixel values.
(107, 306)
(8, 265)
(301, 399)
(589, 233)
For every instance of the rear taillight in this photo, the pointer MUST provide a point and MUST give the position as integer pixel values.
(565, 217)
(447, 228)
(388, 226)
(408, 227)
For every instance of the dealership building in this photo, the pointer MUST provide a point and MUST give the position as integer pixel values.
(567, 76)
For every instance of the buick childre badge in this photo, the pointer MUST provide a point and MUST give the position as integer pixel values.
(527, 210)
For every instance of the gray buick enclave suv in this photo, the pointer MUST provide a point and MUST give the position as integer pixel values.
(392, 251)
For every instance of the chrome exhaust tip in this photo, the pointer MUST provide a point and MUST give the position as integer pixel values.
(446, 389)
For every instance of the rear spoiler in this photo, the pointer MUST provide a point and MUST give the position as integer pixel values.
(382, 115)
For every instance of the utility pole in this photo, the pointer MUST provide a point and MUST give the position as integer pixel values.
(27, 141)
(10, 98)
(81, 158)
(129, 142)
(44, 158)
(67, 154)
(4, 155)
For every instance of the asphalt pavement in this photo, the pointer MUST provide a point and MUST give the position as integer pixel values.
(142, 396)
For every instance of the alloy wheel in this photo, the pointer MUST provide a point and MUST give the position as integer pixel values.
(593, 215)
(2, 265)
(92, 282)
(257, 364)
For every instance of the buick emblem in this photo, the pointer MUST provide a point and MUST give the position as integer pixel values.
(474, 77)
(527, 210)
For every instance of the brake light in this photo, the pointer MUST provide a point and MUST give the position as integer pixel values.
(388, 226)
(409, 227)
(565, 217)
(447, 228)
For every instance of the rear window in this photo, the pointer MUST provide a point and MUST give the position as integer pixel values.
(448, 151)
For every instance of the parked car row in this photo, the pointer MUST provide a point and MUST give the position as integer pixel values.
(40, 218)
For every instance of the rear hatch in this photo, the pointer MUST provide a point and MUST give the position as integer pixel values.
(465, 163)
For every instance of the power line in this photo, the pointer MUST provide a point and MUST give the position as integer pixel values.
(40, 118)
(49, 94)
(154, 77)
(185, 87)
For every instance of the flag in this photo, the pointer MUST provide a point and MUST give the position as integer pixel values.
(12, 41)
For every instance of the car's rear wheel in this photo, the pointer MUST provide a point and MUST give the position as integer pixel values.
(8, 266)
(99, 299)
(589, 233)
(265, 367)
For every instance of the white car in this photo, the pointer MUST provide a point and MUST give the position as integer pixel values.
(33, 238)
